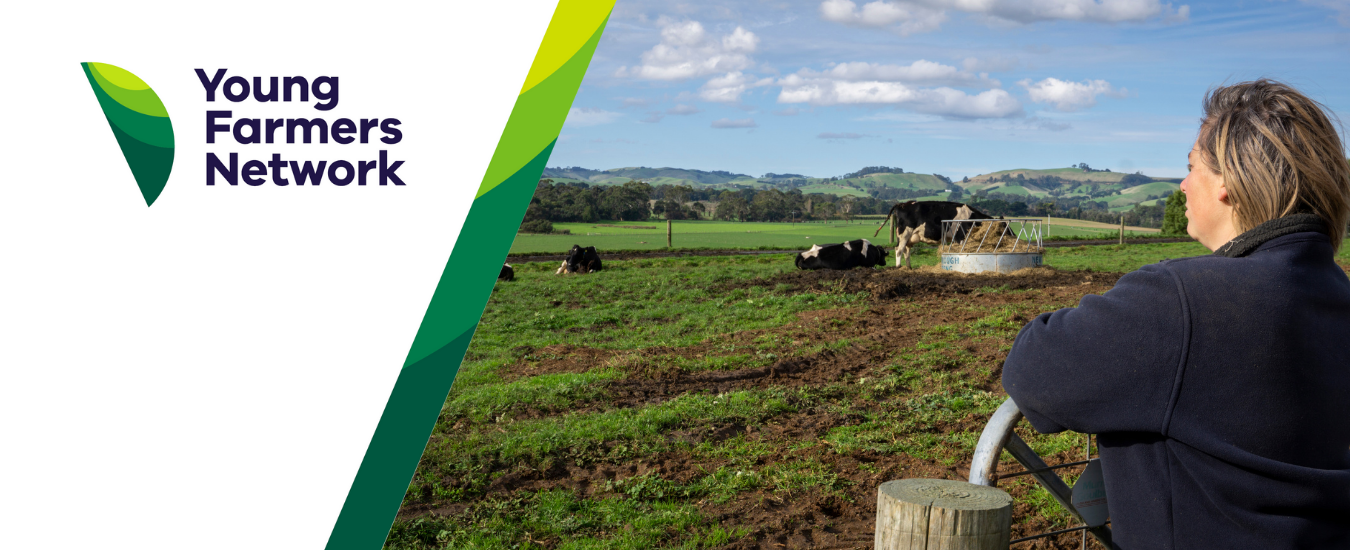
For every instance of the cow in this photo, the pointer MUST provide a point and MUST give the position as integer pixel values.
(914, 222)
(858, 253)
(507, 274)
(580, 260)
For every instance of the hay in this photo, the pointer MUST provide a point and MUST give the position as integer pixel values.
(989, 232)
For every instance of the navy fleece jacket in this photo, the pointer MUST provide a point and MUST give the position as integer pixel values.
(1220, 390)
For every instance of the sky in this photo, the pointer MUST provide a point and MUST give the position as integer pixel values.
(953, 87)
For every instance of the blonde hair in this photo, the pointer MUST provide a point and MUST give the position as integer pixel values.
(1278, 154)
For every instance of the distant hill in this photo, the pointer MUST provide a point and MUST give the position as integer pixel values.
(1115, 190)
(1070, 173)
(654, 176)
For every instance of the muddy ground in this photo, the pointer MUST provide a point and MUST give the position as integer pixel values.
(904, 305)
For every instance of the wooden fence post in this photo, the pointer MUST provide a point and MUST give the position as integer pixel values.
(1122, 230)
(941, 514)
(667, 233)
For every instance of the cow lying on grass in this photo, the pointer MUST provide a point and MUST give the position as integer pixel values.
(915, 222)
(849, 255)
(580, 260)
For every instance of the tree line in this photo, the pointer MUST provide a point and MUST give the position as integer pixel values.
(637, 201)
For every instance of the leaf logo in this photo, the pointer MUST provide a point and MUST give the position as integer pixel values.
(139, 121)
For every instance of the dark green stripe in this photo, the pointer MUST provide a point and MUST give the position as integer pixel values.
(150, 165)
(421, 389)
(398, 444)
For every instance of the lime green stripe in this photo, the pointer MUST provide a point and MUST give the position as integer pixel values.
(151, 130)
(119, 77)
(539, 114)
(127, 89)
(460, 296)
(573, 26)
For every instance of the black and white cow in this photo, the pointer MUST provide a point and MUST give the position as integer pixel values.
(914, 222)
(580, 260)
(507, 274)
(849, 255)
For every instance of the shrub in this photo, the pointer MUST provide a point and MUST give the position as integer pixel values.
(1174, 216)
(536, 226)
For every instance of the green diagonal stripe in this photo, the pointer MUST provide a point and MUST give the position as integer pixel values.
(539, 114)
(411, 412)
(462, 293)
(139, 121)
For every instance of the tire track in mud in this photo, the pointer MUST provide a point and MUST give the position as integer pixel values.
(901, 307)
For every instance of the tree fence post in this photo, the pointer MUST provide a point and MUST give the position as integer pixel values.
(667, 233)
(923, 514)
(1122, 230)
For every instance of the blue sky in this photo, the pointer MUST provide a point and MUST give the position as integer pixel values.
(955, 87)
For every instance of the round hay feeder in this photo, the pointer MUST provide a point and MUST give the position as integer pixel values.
(1002, 246)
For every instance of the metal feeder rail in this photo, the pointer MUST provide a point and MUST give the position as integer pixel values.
(1002, 245)
(1029, 231)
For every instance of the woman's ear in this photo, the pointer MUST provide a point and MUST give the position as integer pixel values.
(1223, 194)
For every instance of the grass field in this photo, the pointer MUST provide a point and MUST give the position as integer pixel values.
(731, 402)
(1138, 194)
(839, 190)
(651, 235)
(904, 181)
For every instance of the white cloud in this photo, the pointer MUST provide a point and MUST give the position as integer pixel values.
(740, 40)
(1098, 11)
(859, 83)
(687, 51)
(725, 89)
(941, 101)
(1070, 96)
(918, 73)
(911, 16)
(738, 123)
(683, 110)
(590, 116)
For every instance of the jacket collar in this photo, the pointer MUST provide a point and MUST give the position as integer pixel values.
(1248, 242)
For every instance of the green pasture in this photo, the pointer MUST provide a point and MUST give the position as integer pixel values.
(1138, 194)
(904, 181)
(1011, 189)
(839, 190)
(637, 314)
(694, 234)
(651, 235)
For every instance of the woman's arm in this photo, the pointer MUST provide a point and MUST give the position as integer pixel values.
(1111, 364)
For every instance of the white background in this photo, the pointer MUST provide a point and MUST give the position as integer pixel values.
(207, 372)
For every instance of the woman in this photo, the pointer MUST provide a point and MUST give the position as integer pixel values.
(1220, 385)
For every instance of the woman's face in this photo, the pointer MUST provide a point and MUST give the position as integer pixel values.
(1209, 213)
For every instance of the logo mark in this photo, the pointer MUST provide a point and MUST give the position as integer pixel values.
(140, 123)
